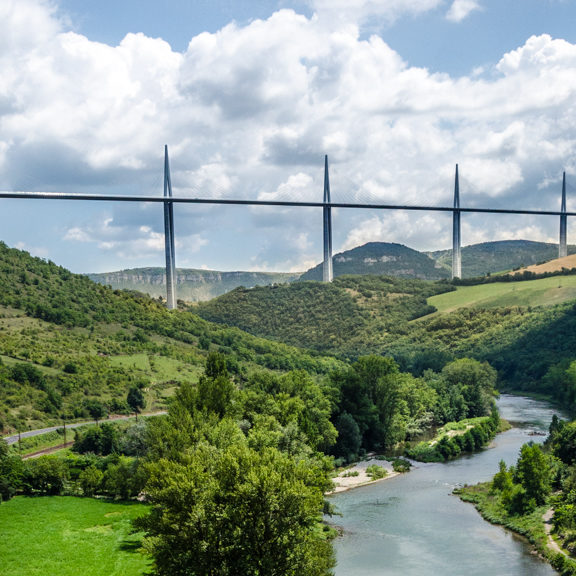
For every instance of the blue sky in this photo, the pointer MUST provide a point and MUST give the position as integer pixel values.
(250, 95)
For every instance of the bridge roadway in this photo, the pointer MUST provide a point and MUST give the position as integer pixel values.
(283, 203)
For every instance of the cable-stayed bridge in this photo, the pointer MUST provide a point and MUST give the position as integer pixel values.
(168, 201)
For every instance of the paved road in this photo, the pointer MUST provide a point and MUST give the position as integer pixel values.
(13, 439)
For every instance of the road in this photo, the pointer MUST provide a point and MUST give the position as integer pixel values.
(13, 439)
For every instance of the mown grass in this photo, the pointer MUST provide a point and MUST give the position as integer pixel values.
(68, 536)
(543, 292)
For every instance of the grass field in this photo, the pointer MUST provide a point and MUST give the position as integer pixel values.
(67, 536)
(544, 292)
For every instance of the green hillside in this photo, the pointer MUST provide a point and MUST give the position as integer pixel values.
(523, 328)
(491, 257)
(70, 347)
(191, 285)
(350, 316)
(383, 258)
(543, 292)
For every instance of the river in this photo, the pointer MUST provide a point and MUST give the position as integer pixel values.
(412, 525)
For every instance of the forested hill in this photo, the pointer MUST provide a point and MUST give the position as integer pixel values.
(383, 258)
(351, 316)
(490, 257)
(192, 285)
(72, 348)
(532, 346)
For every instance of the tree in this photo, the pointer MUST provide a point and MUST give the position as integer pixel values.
(11, 469)
(236, 511)
(101, 440)
(46, 474)
(475, 381)
(349, 438)
(136, 399)
(215, 389)
(533, 473)
(96, 409)
(90, 480)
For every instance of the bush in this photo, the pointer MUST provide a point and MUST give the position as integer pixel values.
(401, 465)
(376, 472)
(45, 475)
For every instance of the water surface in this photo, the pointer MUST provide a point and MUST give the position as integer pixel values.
(412, 525)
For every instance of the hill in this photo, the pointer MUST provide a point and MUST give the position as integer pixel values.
(523, 328)
(351, 316)
(491, 257)
(70, 348)
(383, 258)
(557, 265)
(528, 293)
(192, 285)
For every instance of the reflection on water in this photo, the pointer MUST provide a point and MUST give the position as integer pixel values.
(412, 525)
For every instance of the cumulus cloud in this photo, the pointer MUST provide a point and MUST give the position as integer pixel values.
(248, 112)
(461, 9)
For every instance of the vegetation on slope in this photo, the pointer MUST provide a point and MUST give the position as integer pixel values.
(526, 330)
(491, 257)
(351, 316)
(382, 258)
(70, 348)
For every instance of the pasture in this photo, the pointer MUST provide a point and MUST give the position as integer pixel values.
(68, 536)
(543, 292)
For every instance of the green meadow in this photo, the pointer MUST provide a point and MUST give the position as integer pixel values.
(68, 536)
(544, 292)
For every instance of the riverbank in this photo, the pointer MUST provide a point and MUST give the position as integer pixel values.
(535, 527)
(357, 476)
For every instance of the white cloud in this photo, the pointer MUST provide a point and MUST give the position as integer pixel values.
(461, 9)
(248, 112)
(360, 10)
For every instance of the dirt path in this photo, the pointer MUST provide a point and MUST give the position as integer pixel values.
(552, 544)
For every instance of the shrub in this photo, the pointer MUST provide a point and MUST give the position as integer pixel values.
(376, 472)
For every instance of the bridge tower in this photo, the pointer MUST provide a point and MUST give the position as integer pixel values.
(563, 246)
(456, 231)
(169, 236)
(327, 272)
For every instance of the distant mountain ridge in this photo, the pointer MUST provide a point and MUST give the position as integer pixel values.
(373, 258)
(192, 285)
(492, 257)
(383, 258)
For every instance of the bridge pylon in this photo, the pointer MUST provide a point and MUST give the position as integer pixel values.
(563, 245)
(456, 231)
(327, 271)
(169, 236)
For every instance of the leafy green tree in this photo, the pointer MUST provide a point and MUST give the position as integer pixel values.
(564, 443)
(136, 399)
(102, 440)
(96, 409)
(236, 511)
(216, 390)
(11, 470)
(90, 480)
(475, 381)
(46, 475)
(124, 479)
(533, 473)
(370, 392)
(349, 438)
